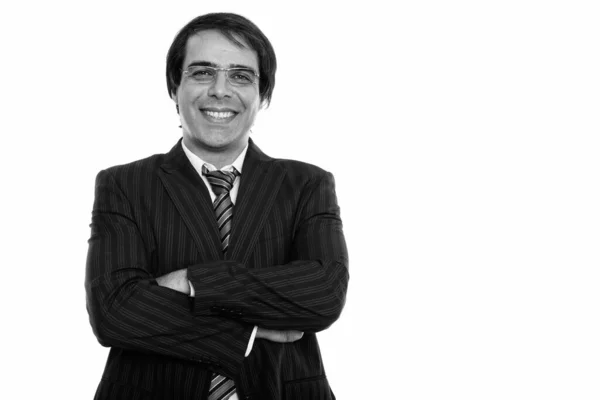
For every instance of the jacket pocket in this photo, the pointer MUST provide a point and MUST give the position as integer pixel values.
(313, 388)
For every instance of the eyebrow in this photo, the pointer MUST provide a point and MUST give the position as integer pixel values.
(212, 64)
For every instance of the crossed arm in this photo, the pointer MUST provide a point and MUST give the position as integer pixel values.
(130, 308)
(177, 280)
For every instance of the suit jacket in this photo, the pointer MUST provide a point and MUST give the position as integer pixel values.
(286, 268)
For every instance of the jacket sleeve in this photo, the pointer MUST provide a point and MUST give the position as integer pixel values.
(128, 309)
(307, 294)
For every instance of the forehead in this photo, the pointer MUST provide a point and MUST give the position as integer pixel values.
(213, 47)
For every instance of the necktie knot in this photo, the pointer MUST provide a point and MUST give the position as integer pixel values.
(220, 181)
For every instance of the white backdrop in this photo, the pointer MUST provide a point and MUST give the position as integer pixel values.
(475, 123)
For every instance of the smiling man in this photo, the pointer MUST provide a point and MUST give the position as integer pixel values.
(212, 267)
(217, 109)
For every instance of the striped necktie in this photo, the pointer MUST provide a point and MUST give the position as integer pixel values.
(222, 388)
(221, 183)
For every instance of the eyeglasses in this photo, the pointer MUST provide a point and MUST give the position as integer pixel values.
(235, 76)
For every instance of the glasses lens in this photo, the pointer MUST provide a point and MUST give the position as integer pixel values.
(235, 76)
(241, 76)
(201, 74)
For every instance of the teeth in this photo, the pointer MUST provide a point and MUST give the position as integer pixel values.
(221, 115)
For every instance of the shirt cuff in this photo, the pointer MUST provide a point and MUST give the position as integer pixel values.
(251, 341)
(192, 291)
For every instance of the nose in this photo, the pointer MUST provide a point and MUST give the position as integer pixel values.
(220, 87)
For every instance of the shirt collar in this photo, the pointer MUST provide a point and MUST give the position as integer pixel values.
(197, 162)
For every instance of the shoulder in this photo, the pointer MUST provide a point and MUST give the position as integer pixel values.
(301, 170)
(293, 168)
(137, 170)
(305, 176)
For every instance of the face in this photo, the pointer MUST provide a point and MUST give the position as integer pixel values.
(217, 117)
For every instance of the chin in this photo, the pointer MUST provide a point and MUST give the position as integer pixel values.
(216, 141)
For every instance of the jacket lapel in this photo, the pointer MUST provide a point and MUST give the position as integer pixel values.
(260, 182)
(190, 196)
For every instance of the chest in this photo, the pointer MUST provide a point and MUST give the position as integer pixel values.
(262, 239)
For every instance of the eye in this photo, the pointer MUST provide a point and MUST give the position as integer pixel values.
(201, 73)
(241, 76)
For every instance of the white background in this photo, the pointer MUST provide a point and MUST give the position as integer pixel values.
(472, 125)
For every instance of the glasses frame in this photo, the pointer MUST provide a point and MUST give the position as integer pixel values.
(186, 73)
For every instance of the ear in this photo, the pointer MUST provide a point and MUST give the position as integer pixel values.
(174, 98)
(263, 105)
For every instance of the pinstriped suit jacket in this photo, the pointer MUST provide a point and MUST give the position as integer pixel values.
(286, 268)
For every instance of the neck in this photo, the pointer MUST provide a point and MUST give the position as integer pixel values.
(219, 157)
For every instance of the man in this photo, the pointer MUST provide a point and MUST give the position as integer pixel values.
(211, 267)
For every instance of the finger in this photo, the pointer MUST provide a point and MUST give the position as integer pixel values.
(292, 336)
(282, 336)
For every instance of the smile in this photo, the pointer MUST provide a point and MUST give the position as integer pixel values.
(219, 115)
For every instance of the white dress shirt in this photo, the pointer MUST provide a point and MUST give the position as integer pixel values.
(198, 163)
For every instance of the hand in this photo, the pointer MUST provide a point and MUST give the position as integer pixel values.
(279, 336)
(176, 280)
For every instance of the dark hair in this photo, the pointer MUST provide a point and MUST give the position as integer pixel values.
(234, 27)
